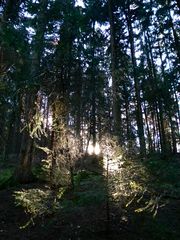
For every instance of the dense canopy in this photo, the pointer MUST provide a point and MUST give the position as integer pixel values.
(93, 67)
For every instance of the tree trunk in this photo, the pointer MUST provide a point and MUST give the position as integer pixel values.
(93, 92)
(78, 97)
(157, 98)
(168, 104)
(24, 171)
(11, 10)
(139, 115)
(128, 120)
(176, 37)
(117, 126)
(150, 145)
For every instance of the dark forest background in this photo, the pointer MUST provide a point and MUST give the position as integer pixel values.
(110, 66)
(100, 75)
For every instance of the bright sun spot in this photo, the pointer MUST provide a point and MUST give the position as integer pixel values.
(97, 149)
(94, 150)
(50, 121)
(80, 3)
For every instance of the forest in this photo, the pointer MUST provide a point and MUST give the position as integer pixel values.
(89, 119)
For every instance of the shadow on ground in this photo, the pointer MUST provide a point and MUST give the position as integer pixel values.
(83, 214)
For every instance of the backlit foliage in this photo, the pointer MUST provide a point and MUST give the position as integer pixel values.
(129, 182)
(38, 202)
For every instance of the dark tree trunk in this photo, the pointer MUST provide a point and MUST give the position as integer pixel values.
(117, 126)
(78, 98)
(158, 106)
(148, 131)
(139, 115)
(93, 91)
(128, 120)
(168, 104)
(176, 37)
(11, 10)
(24, 171)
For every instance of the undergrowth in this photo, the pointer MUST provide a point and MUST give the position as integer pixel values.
(6, 178)
(139, 186)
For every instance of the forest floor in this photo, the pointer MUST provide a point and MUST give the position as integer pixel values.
(86, 219)
(87, 223)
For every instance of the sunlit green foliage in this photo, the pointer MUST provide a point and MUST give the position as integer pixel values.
(143, 185)
(39, 202)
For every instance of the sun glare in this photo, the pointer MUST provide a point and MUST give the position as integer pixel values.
(94, 150)
(90, 149)
(97, 149)
(50, 121)
(80, 3)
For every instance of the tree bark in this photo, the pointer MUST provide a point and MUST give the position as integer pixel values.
(116, 109)
(139, 115)
(158, 106)
(23, 173)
